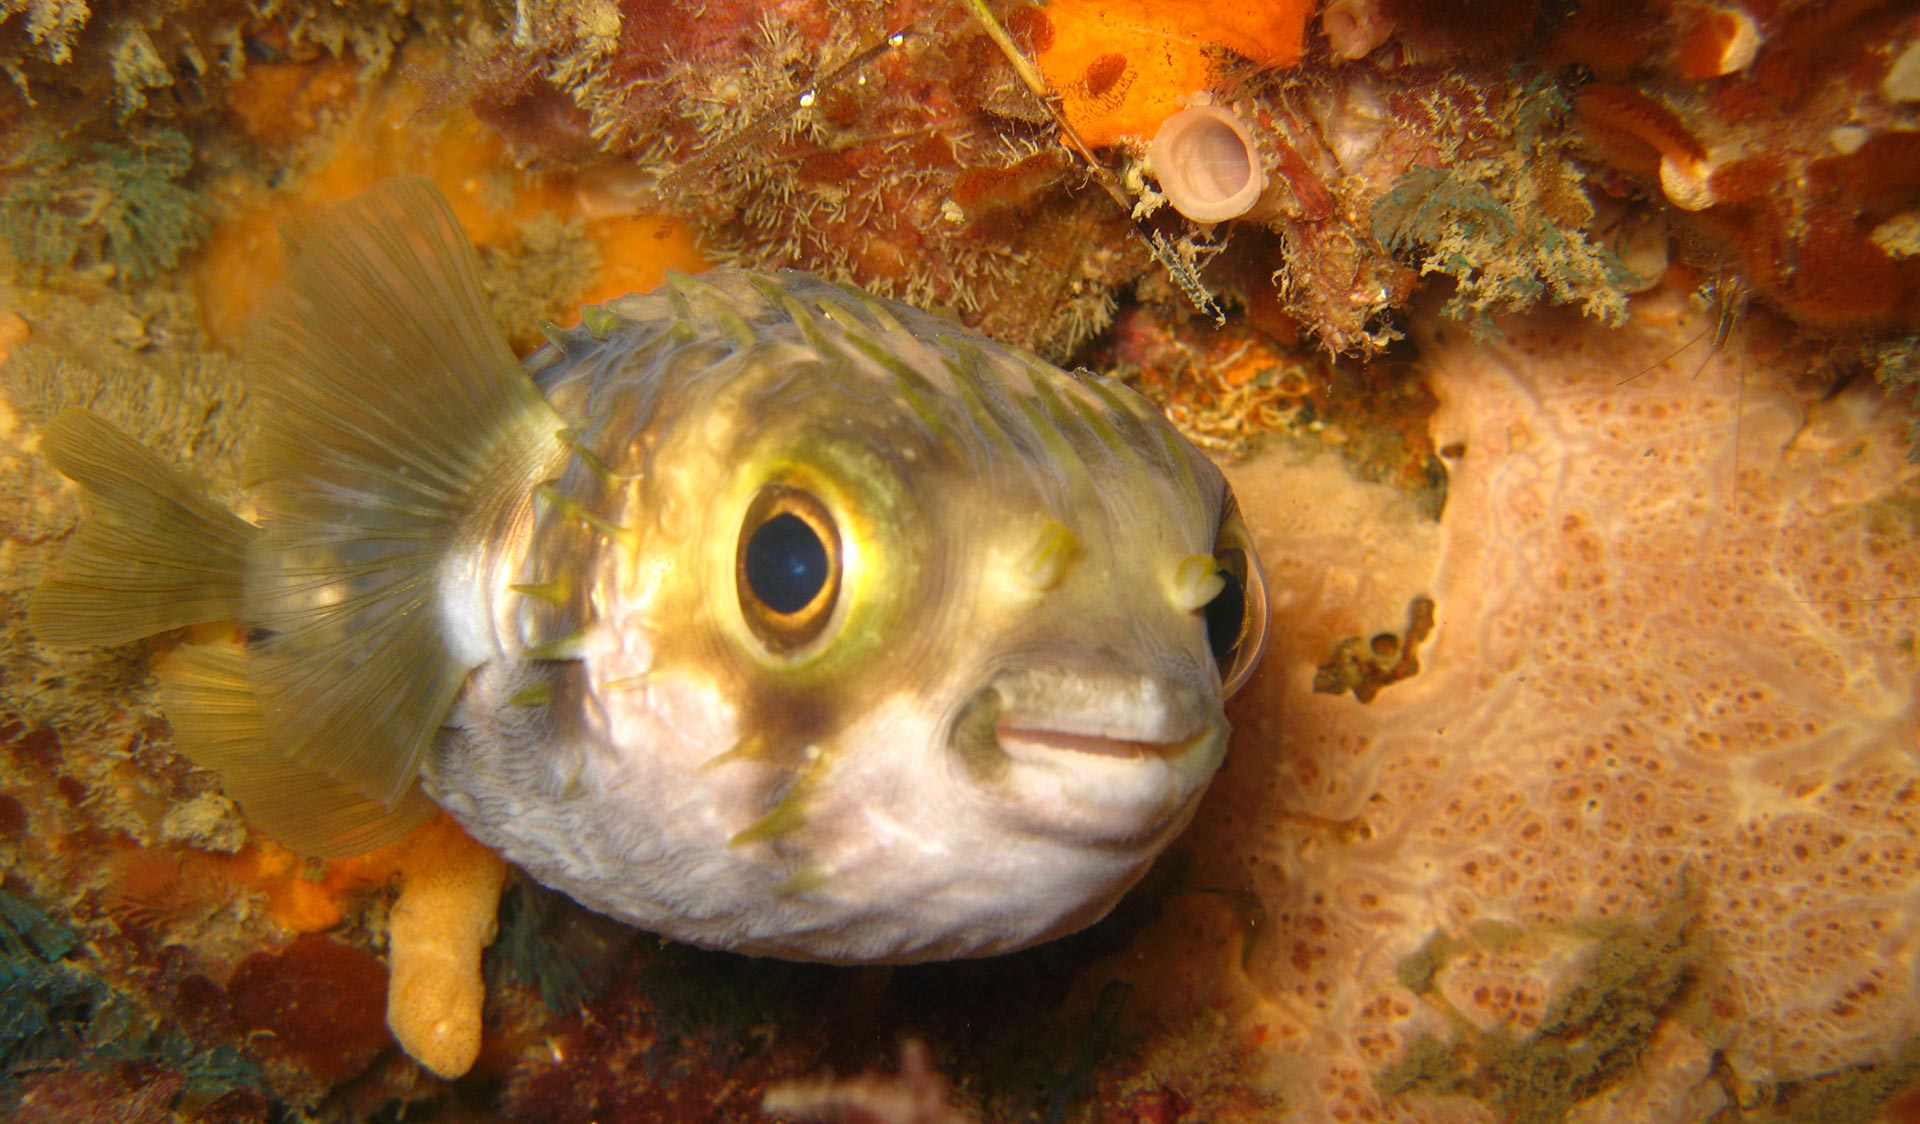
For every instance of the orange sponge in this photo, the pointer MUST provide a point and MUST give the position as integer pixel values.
(1120, 67)
(363, 139)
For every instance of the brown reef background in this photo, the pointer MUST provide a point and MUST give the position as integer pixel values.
(1563, 354)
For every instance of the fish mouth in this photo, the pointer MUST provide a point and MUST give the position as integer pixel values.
(1027, 737)
(1124, 763)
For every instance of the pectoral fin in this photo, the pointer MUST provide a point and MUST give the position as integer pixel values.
(218, 724)
(396, 430)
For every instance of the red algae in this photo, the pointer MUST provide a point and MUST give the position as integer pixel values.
(322, 1003)
(13, 817)
(123, 1094)
(1469, 28)
(1610, 112)
(599, 1066)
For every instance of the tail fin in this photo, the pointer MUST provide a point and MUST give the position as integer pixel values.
(157, 555)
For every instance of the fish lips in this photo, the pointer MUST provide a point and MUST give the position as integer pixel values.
(1108, 762)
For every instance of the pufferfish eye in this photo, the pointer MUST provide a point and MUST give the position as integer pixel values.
(1236, 618)
(1226, 615)
(787, 567)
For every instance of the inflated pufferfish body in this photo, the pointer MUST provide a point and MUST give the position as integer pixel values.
(758, 612)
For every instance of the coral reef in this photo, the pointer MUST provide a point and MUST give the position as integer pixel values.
(80, 69)
(1762, 126)
(58, 1005)
(1582, 787)
(852, 140)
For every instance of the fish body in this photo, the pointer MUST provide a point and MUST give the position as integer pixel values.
(758, 612)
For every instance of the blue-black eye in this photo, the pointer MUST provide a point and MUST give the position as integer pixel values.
(1226, 617)
(788, 567)
(786, 563)
(1236, 618)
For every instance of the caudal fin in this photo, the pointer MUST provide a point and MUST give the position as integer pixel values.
(155, 555)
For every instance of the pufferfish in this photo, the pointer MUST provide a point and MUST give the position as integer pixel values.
(758, 612)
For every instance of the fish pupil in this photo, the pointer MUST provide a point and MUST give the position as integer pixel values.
(1226, 617)
(786, 563)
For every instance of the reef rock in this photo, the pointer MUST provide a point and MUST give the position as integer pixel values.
(1638, 841)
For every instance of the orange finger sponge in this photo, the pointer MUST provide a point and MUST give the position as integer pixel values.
(449, 896)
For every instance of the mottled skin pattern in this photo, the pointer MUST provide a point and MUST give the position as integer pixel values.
(998, 726)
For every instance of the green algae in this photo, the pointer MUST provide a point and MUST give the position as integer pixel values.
(1417, 971)
(1504, 255)
(1503, 212)
(1896, 367)
(122, 203)
(55, 1010)
(42, 1000)
(1638, 976)
(549, 945)
(1851, 1095)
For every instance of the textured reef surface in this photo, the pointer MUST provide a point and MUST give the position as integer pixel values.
(1563, 356)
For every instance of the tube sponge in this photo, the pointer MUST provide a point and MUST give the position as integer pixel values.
(1207, 164)
(449, 896)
